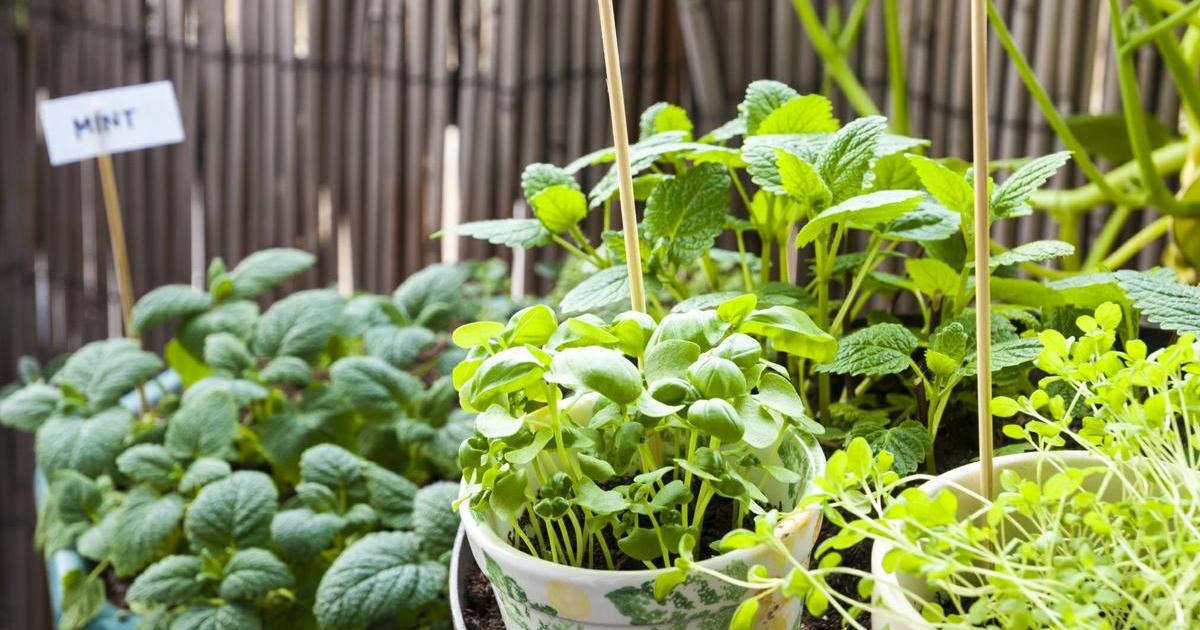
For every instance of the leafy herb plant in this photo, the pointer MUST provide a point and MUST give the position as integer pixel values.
(303, 476)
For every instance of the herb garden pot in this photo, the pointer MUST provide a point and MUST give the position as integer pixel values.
(534, 593)
(894, 610)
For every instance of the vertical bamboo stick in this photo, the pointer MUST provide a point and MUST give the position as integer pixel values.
(116, 235)
(616, 105)
(983, 298)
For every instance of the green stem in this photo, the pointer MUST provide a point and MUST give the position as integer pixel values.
(1173, 57)
(863, 270)
(747, 280)
(897, 80)
(582, 241)
(575, 251)
(785, 263)
(854, 20)
(834, 61)
(1161, 27)
(1137, 243)
(1068, 231)
(1107, 236)
(1176, 5)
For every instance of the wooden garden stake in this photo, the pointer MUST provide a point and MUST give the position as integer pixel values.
(116, 238)
(616, 106)
(983, 297)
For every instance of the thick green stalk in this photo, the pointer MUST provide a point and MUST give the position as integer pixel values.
(1177, 65)
(897, 79)
(1137, 243)
(1107, 236)
(1163, 26)
(835, 62)
(854, 19)
(1174, 6)
(1167, 159)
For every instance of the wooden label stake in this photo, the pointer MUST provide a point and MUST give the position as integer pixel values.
(983, 271)
(116, 238)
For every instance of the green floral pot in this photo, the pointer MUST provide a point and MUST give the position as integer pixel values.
(536, 594)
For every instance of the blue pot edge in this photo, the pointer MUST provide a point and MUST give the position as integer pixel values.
(62, 562)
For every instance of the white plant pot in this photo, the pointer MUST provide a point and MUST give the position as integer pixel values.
(537, 594)
(894, 610)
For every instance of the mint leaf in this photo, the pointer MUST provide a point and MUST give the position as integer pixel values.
(434, 519)
(301, 534)
(801, 182)
(508, 232)
(600, 290)
(299, 325)
(380, 576)
(762, 98)
(172, 580)
(873, 351)
(28, 407)
(1011, 197)
(663, 117)
(145, 523)
(642, 155)
(170, 301)
(850, 155)
(148, 463)
(252, 573)
(811, 113)
(1005, 354)
(1162, 300)
(930, 221)
(867, 211)
(1090, 290)
(688, 211)
(894, 172)
(224, 617)
(949, 188)
(1037, 251)
(932, 276)
(88, 445)
(559, 208)
(204, 426)
(908, 441)
(266, 268)
(82, 599)
(232, 513)
(539, 176)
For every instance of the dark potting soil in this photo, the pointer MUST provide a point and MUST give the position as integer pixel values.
(114, 588)
(479, 608)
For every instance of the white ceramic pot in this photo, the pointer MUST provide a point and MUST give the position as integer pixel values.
(899, 613)
(537, 594)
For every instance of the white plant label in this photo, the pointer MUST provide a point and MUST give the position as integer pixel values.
(110, 121)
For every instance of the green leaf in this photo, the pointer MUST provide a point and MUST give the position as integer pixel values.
(1011, 197)
(170, 301)
(778, 394)
(929, 222)
(559, 208)
(1026, 292)
(801, 182)
(688, 211)
(266, 268)
(1006, 354)
(670, 359)
(508, 232)
(866, 211)
(495, 423)
(791, 330)
(224, 617)
(539, 176)
(203, 471)
(600, 290)
(873, 351)
(170, 581)
(948, 187)
(642, 155)
(663, 117)
(717, 377)
(1090, 290)
(718, 418)
(378, 577)
(226, 353)
(744, 614)
(908, 441)
(606, 372)
(88, 445)
(810, 113)
(1107, 136)
(301, 533)
(432, 296)
(1163, 300)
(932, 276)
(506, 371)
(286, 371)
(144, 526)
(106, 370)
(204, 426)
(28, 407)
(391, 495)
(148, 463)
(401, 346)
(372, 384)
(849, 156)
(82, 599)
(1037, 251)
(252, 573)
(299, 325)
(237, 318)
(592, 497)
(435, 520)
(762, 98)
(232, 513)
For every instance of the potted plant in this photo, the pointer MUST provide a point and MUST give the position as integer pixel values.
(1101, 534)
(299, 475)
(608, 456)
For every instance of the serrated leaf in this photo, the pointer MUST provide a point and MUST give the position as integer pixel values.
(204, 426)
(801, 182)
(232, 513)
(224, 617)
(949, 188)
(762, 98)
(252, 573)
(172, 580)
(508, 232)
(908, 441)
(850, 155)
(928, 222)
(873, 351)
(663, 117)
(810, 113)
(932, 276)
(88, 445)
(867, 211)
(894, 172)
(539, 176)
(432, 296)
(688, 211)
(266, 268)
(379, 576)
(559, 208)
(299, 325)
(1090, 290)
(148, 463)
(28, 407)
(170, 301)
(1011, 197)
(600, 290)
(145, 523)
(302, 533)
(1005, 354)
(435, 519)
(372, 384)
(391, 495)
(1037, 251)
(642, 155)
(1166, 302)
(203, 471)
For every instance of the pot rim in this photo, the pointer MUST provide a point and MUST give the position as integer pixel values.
(497, 547)
(888, 594)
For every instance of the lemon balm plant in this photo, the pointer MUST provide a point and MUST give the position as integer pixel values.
(607, 452)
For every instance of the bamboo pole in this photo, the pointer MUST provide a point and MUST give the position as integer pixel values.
(983, 298)
(116, 237)
(616, 106)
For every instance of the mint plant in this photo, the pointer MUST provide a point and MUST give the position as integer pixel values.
(1110, 544)
(302, 476)
(606, 443)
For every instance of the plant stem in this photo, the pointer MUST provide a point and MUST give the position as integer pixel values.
(1161, 27)
(863, 270)
(835, 62)
(1107, 236)
(747, 280)
(854, 19)
(1167, 159)
(1137, 243)
(575, 251)
(897, 81)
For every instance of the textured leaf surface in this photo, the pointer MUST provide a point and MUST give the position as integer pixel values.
(252, 573)
(867, 210)
(266, 268)
(232, 513)
(169, 302)
(106, 370)
(82, 599)
(434, 520)
(948, 187)
(509, 232)
(148, 463)
(301, 534)
(143, 526)
(172, 580)
(88, 445)
(377, 577)
(1010, 198)
(539, 176)
(298, 325)
(372, 384)
(27, 407)
(908, 441)
(391, 495)
(875, 351)
(225, 617)
(600, 290)
(203, 471)
(559, 208)
(810, 113)
(1163, 300)
(688, 211)
(850, 155)
(1008, 353)
(762, 98)
(1037, 251)
(204, 426)
(431, 296)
